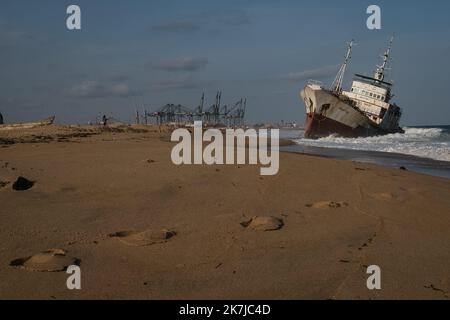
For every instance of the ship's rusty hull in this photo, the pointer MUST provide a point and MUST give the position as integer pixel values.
(318, 126)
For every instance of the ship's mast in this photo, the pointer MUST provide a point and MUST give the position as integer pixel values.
(380, 72)
(337, 84)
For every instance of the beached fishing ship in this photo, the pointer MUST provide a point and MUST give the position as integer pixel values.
(363, 111)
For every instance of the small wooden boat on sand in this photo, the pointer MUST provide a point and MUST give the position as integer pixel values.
(30, 125)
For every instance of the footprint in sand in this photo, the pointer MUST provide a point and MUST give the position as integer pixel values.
(383, 196)
(263, 223)
(53, 260)
(399, 196)
(142, 239)
(327, 205)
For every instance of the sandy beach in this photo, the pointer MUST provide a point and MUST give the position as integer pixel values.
(142, 228)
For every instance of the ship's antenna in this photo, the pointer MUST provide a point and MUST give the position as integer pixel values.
(380, 72)
(337, 84)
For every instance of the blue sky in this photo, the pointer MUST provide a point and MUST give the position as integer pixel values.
(131, 53)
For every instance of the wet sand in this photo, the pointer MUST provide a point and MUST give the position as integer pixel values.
(141, 227)
(386, 159)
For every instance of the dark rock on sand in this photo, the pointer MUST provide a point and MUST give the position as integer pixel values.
(23, 184)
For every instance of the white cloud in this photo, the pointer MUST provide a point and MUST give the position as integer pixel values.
(94, 89)
(319, 73)
(184, 64)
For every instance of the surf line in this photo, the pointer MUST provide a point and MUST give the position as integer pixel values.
(213, 154)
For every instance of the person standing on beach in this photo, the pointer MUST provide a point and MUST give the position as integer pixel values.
(105, 120)
(1, 118)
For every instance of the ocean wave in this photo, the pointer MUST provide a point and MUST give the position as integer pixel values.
(432, 143)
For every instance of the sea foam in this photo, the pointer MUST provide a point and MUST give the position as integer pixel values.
(432, 143)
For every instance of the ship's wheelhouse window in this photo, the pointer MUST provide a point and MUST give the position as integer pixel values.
(378, 97)
(371, 94)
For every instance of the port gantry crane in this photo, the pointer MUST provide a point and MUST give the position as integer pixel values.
(216, 114)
